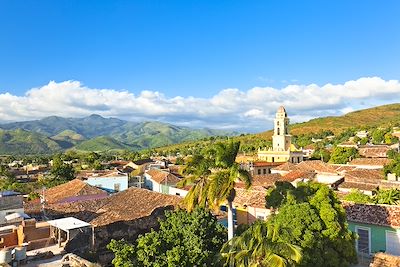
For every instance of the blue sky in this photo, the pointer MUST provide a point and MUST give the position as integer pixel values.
(195, 48)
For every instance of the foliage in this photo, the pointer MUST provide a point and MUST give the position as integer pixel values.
(123, 251)
(394, 166)
(184, 239)
(260, 245)
(387, 196)
(315, 221)
(61, 170)
(33, 196)
(213, 173)
(322, 154)
(342, 155)
(358, 197)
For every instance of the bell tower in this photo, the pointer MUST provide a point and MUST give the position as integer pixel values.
(281, 140)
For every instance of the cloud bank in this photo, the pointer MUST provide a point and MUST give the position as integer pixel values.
(251, 110)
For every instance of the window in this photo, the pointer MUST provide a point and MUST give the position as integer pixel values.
(117, 187)
(265, 171)
(279, 131)
(363, 241)
(178, 194)
(393, 243)
(273, 159)
(259, 171)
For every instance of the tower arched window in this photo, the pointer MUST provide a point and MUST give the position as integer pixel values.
(278, 131)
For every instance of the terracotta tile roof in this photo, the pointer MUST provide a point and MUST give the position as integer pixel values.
(315, 165)
(385, 260)
(266, 164)
(266, 180)
(363, 174)
(385, 215)
(360, 186)
(373, 151)
(287, 166)
(162, 176)
(371, 161)
(249, 198)
(343, 168)
(291, 176)
(73, 188)
(132, 204)
(127, 205)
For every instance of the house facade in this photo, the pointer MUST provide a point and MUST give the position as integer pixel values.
(377, 227)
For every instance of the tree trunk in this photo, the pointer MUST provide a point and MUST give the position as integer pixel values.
(230, 221)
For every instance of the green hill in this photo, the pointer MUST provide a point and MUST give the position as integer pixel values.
(71, 132)
(102, 143)
(380, 116)
(24, 142)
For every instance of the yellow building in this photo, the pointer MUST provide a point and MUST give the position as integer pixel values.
(282, 148)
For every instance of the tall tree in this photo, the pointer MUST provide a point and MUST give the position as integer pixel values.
(214, 176)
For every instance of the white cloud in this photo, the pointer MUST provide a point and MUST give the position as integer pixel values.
(251, 110)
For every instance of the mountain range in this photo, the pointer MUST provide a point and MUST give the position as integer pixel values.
(93, 133)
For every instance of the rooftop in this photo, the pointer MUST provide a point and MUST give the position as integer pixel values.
(385, 215)
(162, 176)
(127, 205)
(371, 161)
(385, 260)
(73, 188)
(250, 198)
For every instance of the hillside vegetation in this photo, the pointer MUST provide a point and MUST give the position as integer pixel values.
(94, 133)
(381, 116)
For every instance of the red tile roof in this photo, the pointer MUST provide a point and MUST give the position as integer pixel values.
(293, 175)
(373, 151)
(370, 161)
(249, 198)
(73, 188)
(130, 204)
(385, 260)
(316, 165)
(266, 164)
(360, 186)
(385, 215)
(364, 174)
(287, 166)
(163, 177)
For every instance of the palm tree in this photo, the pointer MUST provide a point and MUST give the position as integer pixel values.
(214, 176)
(259, 246)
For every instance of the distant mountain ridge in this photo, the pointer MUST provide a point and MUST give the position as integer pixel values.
(94, 133)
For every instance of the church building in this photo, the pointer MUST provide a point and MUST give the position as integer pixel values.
(282, 148)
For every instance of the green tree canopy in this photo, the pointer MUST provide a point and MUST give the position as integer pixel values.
(184, 239)
(61, 170)
(316, 222)
(342, 155)
(358, 197)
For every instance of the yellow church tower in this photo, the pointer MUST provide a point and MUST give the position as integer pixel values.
(282, 148)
